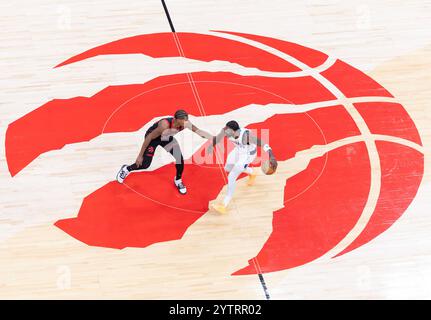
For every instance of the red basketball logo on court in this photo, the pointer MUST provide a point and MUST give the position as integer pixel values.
(366, 177)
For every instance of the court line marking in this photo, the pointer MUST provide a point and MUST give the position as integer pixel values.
(375, 185)
(312, 153)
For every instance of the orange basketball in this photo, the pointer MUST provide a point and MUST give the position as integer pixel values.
(267, 168)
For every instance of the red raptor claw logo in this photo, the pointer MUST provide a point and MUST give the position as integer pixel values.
(322, 203)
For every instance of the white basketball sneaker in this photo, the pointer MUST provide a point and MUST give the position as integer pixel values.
(122, 174)
(180, 186)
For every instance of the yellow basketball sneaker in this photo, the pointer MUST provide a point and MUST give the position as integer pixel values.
(220, 208)
(251, 179)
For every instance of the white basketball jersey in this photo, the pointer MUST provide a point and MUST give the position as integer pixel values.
(241, 147)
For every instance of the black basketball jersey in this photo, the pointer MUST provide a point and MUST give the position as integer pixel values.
(170, 130)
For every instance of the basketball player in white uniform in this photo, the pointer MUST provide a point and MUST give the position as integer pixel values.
(239, 158)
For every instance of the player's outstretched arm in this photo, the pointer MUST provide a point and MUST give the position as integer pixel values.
(200, 132)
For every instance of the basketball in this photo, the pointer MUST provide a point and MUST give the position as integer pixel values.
(267, 168)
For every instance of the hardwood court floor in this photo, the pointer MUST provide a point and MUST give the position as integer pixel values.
(388, 40)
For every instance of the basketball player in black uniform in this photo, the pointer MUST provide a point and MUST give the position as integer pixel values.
(162, 134)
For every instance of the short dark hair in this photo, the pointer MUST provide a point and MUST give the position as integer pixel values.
(181, 114)
(233, 125)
